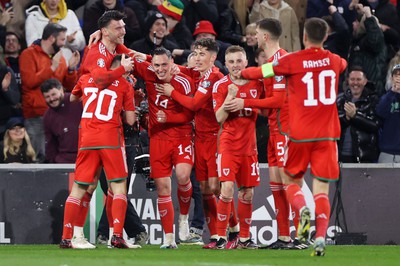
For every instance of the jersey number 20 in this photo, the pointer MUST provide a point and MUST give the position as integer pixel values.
(93, 92)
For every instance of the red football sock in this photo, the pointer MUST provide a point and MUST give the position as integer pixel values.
(210, 212)
(233, 220)
(85, 203)
(184, 197)
(109, 203)
(295, 197)
(166, 211)
(281, 208)
(118, 213)
(223, 211)
(322, 213)
(72, 207)
(245, 208)
(296, 220)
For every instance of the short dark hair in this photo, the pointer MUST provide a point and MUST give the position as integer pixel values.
(316, 29)
(258, 52)
(117, 60)
(273, 26)
(52, 29)
(161, 51)
(210, 44)
(107, 16)
(8, 33)
(51, 84)
(234, 49)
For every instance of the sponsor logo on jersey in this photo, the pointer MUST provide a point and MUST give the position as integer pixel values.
(101, 63)
(243, 94)
(253, 93)
(278, 78)
(226, 171)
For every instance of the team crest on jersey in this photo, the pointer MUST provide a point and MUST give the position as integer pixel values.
(101, 63)
(163, 213)
(226, 171)
(221, 217)
(253, 93)
(278, 78)
(243, 94)
(205, 84)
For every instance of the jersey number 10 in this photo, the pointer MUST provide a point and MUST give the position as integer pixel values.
(324, 89)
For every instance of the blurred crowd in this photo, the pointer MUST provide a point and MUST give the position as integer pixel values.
(39, 124)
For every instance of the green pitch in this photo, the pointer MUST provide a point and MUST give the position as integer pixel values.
(43, 255)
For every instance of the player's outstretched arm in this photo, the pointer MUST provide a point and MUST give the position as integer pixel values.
(265, 71)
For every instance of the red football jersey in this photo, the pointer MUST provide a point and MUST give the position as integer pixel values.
(206, 125)
(173, 110)
(278, 118)
(313, 76)
(97, 62)
(238, 136)
(101, 123)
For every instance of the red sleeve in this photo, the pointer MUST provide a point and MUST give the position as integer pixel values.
(129, 99)
(275, 101)
(252, 73)
(192, 103)
(182, 118)
(219, 96)
(77, 90)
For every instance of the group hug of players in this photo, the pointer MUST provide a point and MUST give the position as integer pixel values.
(298, 96)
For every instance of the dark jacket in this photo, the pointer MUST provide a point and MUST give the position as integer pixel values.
(141, 8)
(20, 157)
(181, 35)
(369, 51)
(202, 10)
(229, 28)
(363, 127)
(388, 110)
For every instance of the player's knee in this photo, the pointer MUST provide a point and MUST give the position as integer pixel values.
(246, 195)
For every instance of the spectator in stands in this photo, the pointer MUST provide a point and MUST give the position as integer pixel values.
(156, 28)
(389, 22)
(93, 12)
(229, 28)
(300, 9)
(197, 10)
(279, 9)
(142, 7)
(61, 123)
(12, 50)
(10, 98)
(39, 62)
(251, 44)
(359, 123)
(205, 29)
(339, 37)
(54, 11)
(16, 146)
(17, 22)
(179, 32)
(394, 61)
(389, 110)
(317, 8)
(368, 48)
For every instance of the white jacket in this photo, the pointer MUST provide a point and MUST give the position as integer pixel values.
(36, 21)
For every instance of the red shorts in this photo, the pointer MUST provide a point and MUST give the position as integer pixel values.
(205, 159)
(112, 160)
(242, 169)
(276, 149)
(164, 154)
(321, 155)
